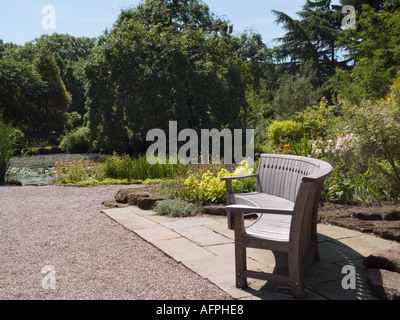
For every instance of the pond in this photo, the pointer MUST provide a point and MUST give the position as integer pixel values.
(37, 169)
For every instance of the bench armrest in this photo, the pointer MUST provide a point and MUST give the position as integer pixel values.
(239, 177)
(247, 209)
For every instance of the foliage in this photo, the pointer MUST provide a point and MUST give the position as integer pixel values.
(52, 106)
(71, 54)
(374, 47)
(320, 121)
(297, 92)
(204, 184)
(173, 59)
(109, 181)
(76, 171)
(175, 208)
(125, 167)
(20, 86)
(76, 141)
(377, 123)
(284, 131)
(35, 151)
(6, 149)
(313, 37)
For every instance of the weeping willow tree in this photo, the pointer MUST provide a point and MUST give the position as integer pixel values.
(164, 61)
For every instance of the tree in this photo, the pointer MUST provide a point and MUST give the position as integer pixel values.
(375, 48)
(5, 149)
(377, 123)
(375, 4)
(312, 38)
(52, 105)
(20, 86)
(2, 49)
(71, 54)
(297, 92)
(166, 60)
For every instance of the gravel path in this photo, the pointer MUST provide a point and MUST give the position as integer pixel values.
(92, 257)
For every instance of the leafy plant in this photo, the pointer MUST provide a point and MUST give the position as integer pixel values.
(281, 132)
(377, 123)
(175, 208)
(6, 149)
(76, 171)
(76, 141)
(125, 167)
(204, 184)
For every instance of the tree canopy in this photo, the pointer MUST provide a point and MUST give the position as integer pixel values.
(162, 61)
(175, 60)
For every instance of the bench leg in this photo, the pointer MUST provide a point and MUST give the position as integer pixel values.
(240, 251)
(231, 223)
(296, 277)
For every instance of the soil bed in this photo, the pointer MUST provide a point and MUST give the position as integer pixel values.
(382, 221)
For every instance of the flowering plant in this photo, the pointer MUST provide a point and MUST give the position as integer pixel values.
(205, 185)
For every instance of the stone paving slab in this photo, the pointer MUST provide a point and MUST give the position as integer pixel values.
(183, 250)
(205, 245)
(203, 236)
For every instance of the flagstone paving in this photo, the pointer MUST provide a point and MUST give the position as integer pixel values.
(205, 245)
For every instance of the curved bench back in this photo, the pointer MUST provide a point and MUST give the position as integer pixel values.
(281, 175)
(298, 179)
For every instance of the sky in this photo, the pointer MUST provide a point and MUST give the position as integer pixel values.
(24, 20)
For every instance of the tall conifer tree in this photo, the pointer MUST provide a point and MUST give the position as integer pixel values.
(52, 105)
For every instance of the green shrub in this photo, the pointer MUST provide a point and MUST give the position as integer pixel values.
(125, 167)
(76, 141)
(6, 149)
(319, 122)
(18, 138)
(377, 125)
(204, 184)
(175, 208)
(281, 132)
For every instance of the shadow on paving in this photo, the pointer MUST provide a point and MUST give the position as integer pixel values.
(205, 245)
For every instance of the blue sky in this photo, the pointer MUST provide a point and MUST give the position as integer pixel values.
(21, 20)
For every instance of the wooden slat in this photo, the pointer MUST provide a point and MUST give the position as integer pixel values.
(274, 227)
(267, 276)
(285, 184)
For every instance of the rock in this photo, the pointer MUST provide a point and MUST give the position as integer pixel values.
(122, 195)
(393, 216)
(148, 203)
(377, 213)
(15, 183)
(384, 284)
(133, 197)
(214, 210)
(388, 233)
(113, 204)
(384, 259)
(369, 216)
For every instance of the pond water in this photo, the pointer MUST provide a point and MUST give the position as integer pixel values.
(37, 169)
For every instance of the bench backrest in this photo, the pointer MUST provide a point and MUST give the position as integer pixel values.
(281, 175)
(298, 179)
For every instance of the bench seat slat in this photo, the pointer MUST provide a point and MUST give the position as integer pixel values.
(262, 200)
(275, 227)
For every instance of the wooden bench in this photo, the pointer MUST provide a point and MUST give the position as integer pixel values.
(286, 201)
